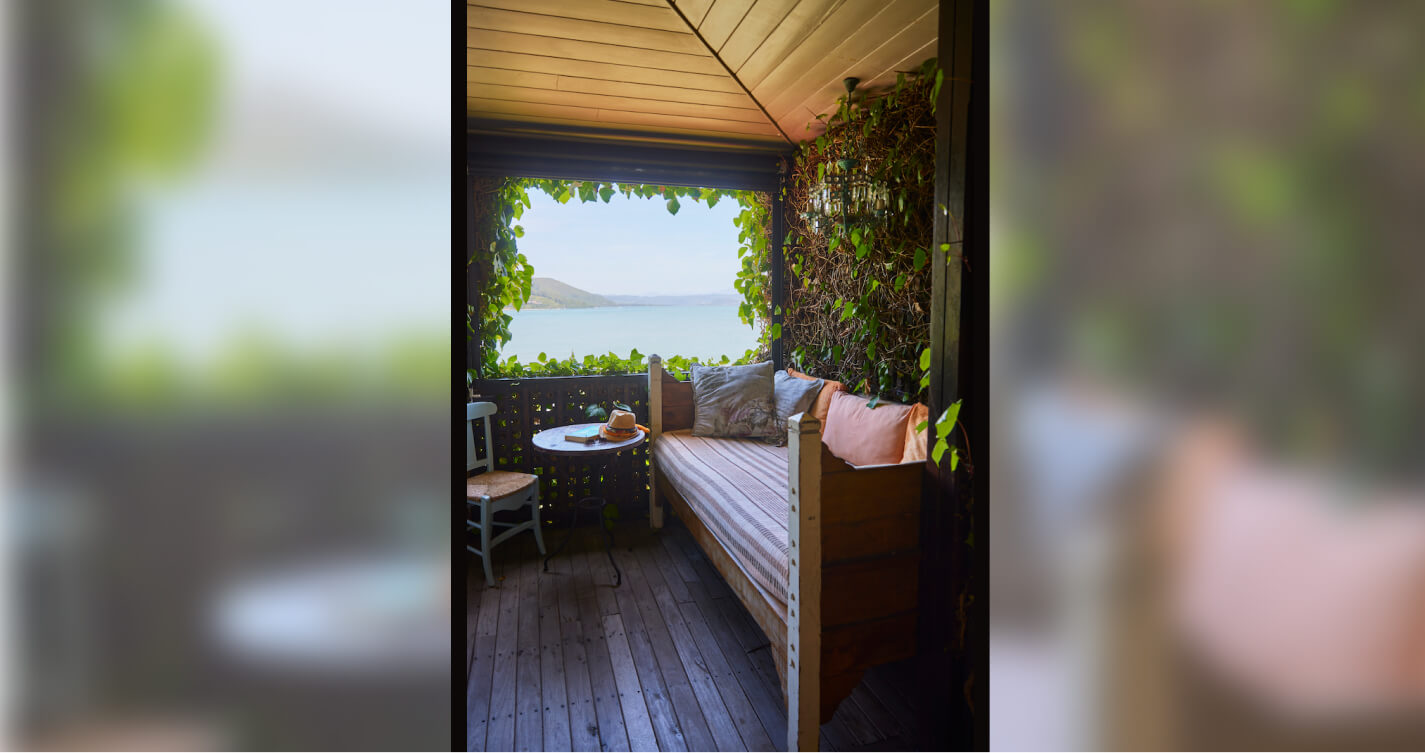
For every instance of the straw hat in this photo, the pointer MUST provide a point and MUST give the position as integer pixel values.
(621, 425)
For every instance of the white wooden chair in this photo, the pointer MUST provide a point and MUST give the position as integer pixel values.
(495, 491)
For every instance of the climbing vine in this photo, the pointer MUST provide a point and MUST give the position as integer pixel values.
(857, 296)
(504, 277)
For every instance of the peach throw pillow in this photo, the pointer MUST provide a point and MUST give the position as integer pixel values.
(823, 399)
(915, 440)
(865, 436)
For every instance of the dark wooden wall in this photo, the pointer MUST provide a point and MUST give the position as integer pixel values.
(954, 635)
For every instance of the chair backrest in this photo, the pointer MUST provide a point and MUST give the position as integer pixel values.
(481, 412)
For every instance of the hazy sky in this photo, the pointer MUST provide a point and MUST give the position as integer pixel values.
(321, 204)
(633, 246)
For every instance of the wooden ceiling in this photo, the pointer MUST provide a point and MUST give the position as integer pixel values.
(753, 73)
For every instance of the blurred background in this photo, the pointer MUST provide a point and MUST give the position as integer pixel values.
(1208, 352)
(226, 446)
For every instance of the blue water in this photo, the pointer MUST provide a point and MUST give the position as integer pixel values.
(694, 331)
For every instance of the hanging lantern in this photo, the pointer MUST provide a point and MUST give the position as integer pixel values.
(848, 190)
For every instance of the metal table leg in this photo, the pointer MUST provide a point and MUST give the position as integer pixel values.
(608, 535)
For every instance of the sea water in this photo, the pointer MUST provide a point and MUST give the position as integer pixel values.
(696, 331)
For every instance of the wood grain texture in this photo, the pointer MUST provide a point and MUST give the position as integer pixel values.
(529, 698)
(613, 733)
(583, 716)
(804, 598)
(640, 728)
(653, 104)
(897, 26)
(484, 635)
(717, 645)
(495, 59)
(598, 52)
(760, 21)
(655, 15)
(500, 734)
(720, 20)
(553, 690)
(690, 665)
(656, 693)
(565, 27)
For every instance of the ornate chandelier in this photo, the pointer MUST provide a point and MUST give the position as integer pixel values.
(847, 189)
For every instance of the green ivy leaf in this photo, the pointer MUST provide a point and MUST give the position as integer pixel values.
(871, 351)
(606, 193)
(919, 258)
(921, 426)
(673, 205)
(925, 359)
(900, 281)
(776, 331)
(938, 451)
(875, 401)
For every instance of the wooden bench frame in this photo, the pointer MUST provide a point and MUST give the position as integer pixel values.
(853, 537)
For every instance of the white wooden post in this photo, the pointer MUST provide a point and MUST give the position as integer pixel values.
(655, 426)
(804, 593)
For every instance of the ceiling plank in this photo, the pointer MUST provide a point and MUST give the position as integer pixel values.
(801, 124)
(853, 30)
(667, 93)
(610, 72)
(722, 18)
(502, 77)
(695, 10)
(474, 73)
(754, 27)
(865, 55)
(786, 36)
(833, 92)
(656, 16)
(762, 129)
(590, 31)
(601, 53)
(605, 102)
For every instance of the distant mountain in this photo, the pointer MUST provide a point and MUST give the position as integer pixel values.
(704, 299)
(549, 293)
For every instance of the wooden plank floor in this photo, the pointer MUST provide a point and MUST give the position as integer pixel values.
(670, 660)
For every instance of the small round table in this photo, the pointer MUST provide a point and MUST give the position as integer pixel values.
(552, 441)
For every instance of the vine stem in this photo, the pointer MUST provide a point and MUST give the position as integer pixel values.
(969, 457)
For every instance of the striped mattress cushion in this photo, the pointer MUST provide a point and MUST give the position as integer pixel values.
(738, 489)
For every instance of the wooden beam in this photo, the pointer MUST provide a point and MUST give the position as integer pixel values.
(953, 577)
(655, 427)
(580, 157)
(804, 595)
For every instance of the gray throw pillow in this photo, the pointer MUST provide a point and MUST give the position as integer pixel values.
(793, 395)
(734, 401)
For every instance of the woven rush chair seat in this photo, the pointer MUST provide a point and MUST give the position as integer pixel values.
(495, 491)
(498, 484)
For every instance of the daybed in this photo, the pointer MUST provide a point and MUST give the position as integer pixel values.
(823, 554)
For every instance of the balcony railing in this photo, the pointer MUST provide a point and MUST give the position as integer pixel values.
(529, 405)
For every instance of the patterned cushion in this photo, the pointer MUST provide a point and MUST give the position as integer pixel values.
(738, 489)
(734, 401)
